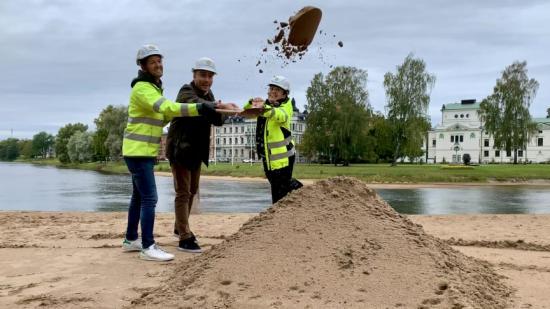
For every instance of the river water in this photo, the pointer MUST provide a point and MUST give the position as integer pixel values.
(43, 188)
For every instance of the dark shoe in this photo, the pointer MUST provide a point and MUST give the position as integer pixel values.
(295, 184)
(189, 245)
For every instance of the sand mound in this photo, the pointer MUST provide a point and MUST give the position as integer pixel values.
(334, 244)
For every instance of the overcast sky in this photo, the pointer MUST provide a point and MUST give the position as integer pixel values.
(64, 61)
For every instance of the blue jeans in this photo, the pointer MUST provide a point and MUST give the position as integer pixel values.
(143, 201)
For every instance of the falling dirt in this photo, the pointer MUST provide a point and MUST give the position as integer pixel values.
(333, 244)
(279, 48)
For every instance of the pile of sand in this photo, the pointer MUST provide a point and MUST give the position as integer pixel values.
(334, 244)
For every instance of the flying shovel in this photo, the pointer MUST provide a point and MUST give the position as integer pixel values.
(303, 26)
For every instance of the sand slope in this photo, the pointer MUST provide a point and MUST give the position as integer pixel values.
(334, 244)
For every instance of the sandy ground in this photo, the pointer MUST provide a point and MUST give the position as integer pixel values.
(68, 260)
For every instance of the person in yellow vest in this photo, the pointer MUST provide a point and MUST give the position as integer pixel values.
(274, 143)
(148, 112)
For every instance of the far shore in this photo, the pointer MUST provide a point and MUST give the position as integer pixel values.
(534, 182)
(378, 176)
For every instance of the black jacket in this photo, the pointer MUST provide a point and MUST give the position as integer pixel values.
(188, 140)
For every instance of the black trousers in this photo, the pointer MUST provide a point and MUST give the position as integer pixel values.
(280, 180)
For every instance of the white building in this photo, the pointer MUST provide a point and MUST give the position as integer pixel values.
(235, 141)
(461, 132)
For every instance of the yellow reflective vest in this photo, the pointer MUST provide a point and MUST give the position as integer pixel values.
(148, 113)
(278, 142)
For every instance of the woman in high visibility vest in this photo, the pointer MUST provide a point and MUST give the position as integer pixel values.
(148, 112)
(274, 143)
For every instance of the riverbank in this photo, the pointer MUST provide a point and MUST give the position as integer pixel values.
(73, 259)
(536, 183)
(507, 174)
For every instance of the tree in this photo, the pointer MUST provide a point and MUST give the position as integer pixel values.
(408, 97)
(505, 113)
(110, 124)
(9, 149)
(381, 132)
(79, 147)
(41, 144)
(466, 158)
(25, 148)
(101, 153)
(412, 144)
(62, 139)
(548, 113)
(338, 119)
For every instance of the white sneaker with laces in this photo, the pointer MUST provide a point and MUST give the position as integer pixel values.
(131, 245)
(155, 253)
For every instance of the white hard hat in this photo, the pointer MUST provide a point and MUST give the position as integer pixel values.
(205, 64)
(281, 82)
(146, 51)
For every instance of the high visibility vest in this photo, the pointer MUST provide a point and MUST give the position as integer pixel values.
(148, 113)
(277, 147)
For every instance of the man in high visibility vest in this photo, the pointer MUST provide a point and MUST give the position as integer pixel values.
(274, 143)
(148, 113)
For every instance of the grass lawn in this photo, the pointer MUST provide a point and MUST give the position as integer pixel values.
(379, 173)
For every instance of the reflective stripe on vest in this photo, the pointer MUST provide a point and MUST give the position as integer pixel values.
(142, 138)
(282, 143)
(185, 110)
(145, 120)
(158, 103)
(283, 155)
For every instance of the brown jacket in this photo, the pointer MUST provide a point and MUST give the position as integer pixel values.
(188, 140)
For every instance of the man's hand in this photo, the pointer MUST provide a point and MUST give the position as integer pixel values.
(257, 102)
(220, 105)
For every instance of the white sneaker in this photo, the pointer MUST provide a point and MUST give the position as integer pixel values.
(129, 246)
(154, 253)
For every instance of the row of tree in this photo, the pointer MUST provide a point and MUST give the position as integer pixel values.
(342, 126)
(73, 143)
(39, 146)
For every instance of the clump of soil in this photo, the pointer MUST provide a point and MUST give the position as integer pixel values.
(334, 244)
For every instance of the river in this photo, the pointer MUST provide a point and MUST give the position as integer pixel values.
(30, 187)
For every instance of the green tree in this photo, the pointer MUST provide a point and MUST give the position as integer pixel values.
(79, 147)
(9, 149)
(408, 97)
(110, 132)
(412, 144)
(101, 152)
(381, 132)
(338, 120)
(41, 144)
(25, 148)
(505, 113)
(62, 139)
